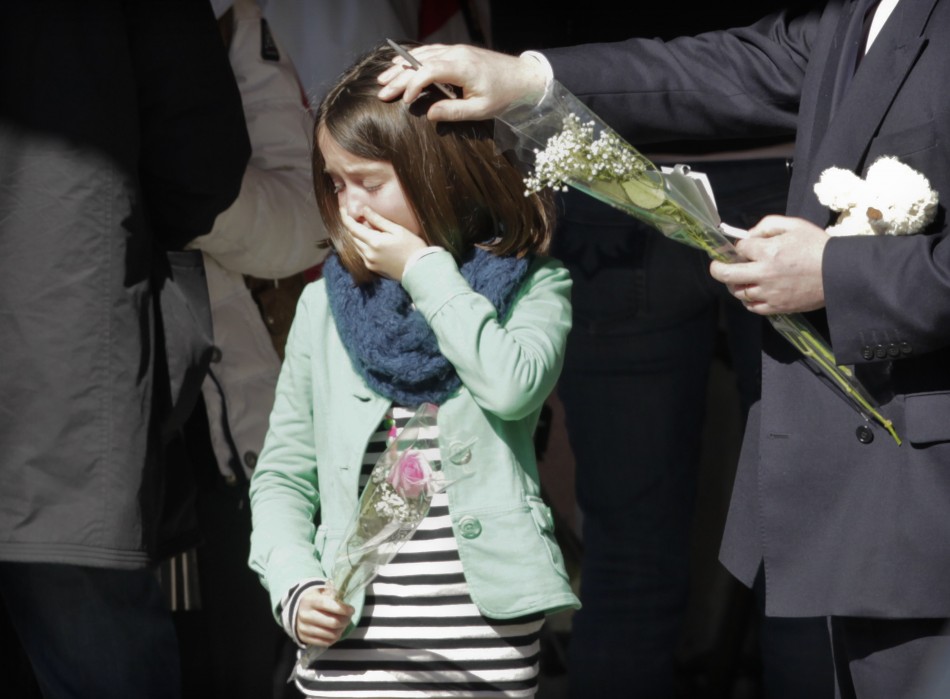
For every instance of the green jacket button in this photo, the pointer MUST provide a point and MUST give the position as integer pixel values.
(461, 457)
(469, 527)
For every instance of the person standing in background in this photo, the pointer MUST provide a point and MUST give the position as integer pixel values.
(258, 257)
(323, 38)
(255, 258)
(122, 139)
(660, 613)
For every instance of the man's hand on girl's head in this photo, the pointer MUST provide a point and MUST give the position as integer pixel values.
(490, 81)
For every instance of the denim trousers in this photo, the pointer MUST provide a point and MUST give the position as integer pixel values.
(93, 632)
(648, 321)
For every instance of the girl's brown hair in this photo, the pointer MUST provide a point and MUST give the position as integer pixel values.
(462, 190)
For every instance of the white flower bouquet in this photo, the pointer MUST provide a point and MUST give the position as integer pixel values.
(394, 501)
(567, 144)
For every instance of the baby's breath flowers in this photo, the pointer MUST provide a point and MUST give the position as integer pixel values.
(605, 166)
(566, 144)
(576, 154)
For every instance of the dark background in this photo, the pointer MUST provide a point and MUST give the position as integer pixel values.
(518, 25)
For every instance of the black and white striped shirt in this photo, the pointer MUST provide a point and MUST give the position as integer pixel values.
(420, 634)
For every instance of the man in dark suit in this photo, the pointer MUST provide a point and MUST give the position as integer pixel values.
(660, 613)
(843, 521)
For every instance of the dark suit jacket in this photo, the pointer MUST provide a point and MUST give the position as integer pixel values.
(844, 526)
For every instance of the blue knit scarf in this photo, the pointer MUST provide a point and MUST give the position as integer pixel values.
(389, 342)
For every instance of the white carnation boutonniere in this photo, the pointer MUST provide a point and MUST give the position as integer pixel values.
(892, 199)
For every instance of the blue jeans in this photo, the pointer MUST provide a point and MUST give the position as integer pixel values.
(93, 632)
(633, 390)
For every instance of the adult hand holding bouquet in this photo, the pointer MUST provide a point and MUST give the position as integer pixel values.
(567, 144)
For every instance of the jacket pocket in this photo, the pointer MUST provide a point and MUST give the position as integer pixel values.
(512, 563)
(544, 521)
(326, 544)
(320, 538)
(927, 417)
(903, 143)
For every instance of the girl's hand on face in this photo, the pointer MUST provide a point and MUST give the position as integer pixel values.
(384, 246)
(321, 620)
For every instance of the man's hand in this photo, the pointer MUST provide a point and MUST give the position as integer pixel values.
(490, 81)
(321, 620)
(783, 269)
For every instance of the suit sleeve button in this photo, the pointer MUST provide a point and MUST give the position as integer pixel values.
(880, 352)
(906, 349)
(867, 352)
(893, 350)
(864, 434)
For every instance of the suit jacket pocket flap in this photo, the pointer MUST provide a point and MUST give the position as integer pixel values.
(904, 142)
(928, 417)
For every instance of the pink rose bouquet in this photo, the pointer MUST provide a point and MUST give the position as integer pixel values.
(393, 504)
(411, 475)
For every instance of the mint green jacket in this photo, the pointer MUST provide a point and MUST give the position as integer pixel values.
(324, 415)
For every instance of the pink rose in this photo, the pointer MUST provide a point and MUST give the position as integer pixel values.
(410, 475)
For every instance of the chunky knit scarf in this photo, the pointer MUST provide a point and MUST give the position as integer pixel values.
(389, 342)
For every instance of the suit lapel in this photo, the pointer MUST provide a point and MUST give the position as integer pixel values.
(844, 140)
(840, 53)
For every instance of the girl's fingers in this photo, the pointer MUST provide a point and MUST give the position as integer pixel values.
(330, 605)
(321, 619)
(362, 248)
(316, 636)
(362, 237)
(357, 230)
(381, 223)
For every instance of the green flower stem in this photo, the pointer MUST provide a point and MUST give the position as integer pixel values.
(339, 592)
(676, 222)
(805, 339)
